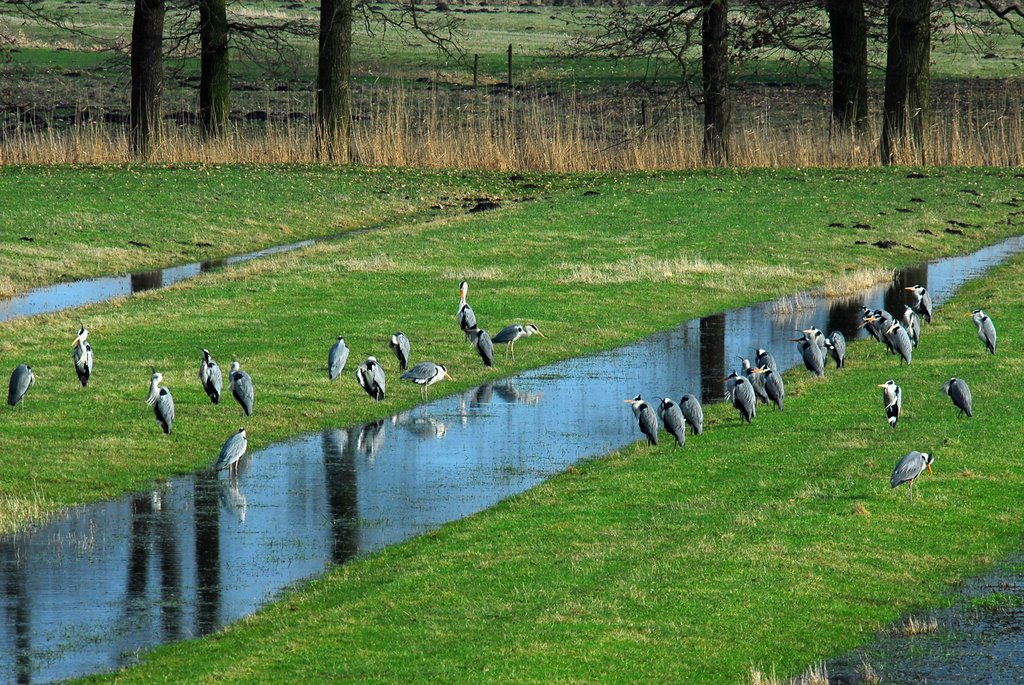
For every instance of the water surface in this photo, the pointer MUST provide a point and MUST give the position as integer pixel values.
(90, 590)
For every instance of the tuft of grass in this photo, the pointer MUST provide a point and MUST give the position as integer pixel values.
(859, 509)
(917, 626)
(816, 674)
(851, 282)
(999, 601)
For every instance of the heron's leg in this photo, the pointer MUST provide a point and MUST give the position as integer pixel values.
(911, 489)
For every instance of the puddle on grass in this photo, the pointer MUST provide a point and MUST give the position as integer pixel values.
(60, 296)
(90, 590)
(978, 640)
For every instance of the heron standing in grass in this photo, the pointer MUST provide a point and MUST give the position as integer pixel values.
(484, 347)
(162, 402)
(741, 393)
(912, 324)
(22, 379)
(81, 353)
(693, 413)
(510, 334)
(210, 376)
(986, 329)
(233, 449)
(892, 399)
(909, 468)
(756, 380)
(774, 388)
(370, 375)
(958, 391)
(336, 358)
(813, 358)
(426, 374)
(922, 303)
(899, 342)
(645, 418)
(835, 343)
(672, 417)
(465, 314)
(242, 387)
(401, 346)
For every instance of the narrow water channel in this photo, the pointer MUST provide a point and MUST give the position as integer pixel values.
(90, 590)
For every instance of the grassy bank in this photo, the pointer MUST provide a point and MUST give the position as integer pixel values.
(64, 223)
(768, 546)
(593, 260)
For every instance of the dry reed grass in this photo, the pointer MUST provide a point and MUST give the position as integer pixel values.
(853, 282)
(816, 674)
(402, 127)
(646, 269)
(914, 626)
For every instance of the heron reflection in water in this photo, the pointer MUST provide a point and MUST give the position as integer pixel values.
(232, 500)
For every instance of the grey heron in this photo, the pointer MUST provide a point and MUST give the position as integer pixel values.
(912, 324)
(835, 343)
(336, 358)
(241, 387)
(773, 385)
(986, 329)
(82, 355)
(741, 392)
(693, 413)
(426, 374)
(210, 376)
(370, 375)
(892, 400)
(672, 417)
(922, 304)
(765, 357)
(756, 381)
(868, 322)
(958, 391)
(233, 449)
(815, 334)
(400, 344)
(484, 347)
(22, 379)
(900, 342)
(465, 315)
(162, 402)
(645, 418)
(510, 334)
(812, 355)
(909, 468)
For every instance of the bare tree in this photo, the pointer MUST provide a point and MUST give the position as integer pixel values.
(849, 31)
(214, 63)
(147, 74)
(333, 84)
(907, 78)
(715, 80)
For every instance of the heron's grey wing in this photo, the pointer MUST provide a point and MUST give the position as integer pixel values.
(902, 343)
(649, 424)
(244, 391)
(377, 378)
(164, 409)
(675, 424)
(839, 341)
(774, 387)
(405, 346)
(78, 354)
(485, 348)
(421, 372)
(989, 330)
(757, 383)
(21, 379)
(232, 451)
(908, 468)
(926, 306)
(467, 318)
(215, 380)
(961, 395)
(693, 413)
(745, 395)
(507, 334)
(204, 371)
(89, 358)
(336, 359)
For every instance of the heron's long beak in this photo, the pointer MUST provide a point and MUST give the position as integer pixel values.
(969, 314)
(77, 342)
(448, 377)
(911, 289)
(541, 334)
(628, 401)
(756, 369)
(797, 339)
(892, 327)
(881, 385)
(930, 469)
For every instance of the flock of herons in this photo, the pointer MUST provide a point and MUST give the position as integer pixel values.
(762, 383)
(369, 374)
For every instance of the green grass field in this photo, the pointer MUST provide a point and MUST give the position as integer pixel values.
(642, 562)
(770, 546)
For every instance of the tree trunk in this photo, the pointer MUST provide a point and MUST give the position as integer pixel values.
(147, 70)
(715, 80)
(907, 92)
(214, 80)
(848, 26)
(333, 92)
